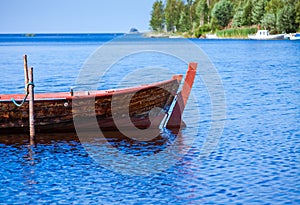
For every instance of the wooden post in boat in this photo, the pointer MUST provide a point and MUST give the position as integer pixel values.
(31, 106)
(25, 72)
(29, 86)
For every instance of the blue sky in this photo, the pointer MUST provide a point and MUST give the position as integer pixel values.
(74, 16)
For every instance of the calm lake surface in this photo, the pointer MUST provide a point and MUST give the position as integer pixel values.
(257, 160)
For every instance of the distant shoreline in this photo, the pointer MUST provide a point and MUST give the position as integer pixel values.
(33, 34)
(172, 35)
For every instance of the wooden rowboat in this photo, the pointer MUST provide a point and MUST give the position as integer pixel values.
(56, 112)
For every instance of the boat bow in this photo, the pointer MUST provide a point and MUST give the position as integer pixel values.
(175, 120)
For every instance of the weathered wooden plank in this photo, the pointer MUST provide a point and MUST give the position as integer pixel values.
(57, 114)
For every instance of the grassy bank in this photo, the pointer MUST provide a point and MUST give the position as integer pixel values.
(236, 33)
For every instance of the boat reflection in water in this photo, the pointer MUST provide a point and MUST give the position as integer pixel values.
(127, 144)
(111, 150)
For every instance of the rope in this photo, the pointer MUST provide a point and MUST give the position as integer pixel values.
(27, 93)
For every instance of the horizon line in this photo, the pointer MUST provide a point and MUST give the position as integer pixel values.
(64, 32)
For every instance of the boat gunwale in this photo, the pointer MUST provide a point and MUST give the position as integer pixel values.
(88, 94)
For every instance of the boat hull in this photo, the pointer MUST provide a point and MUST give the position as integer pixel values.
(295, 37)
(269, 37)
(57, 112)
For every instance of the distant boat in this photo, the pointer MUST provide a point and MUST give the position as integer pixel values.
(157, 35)
(295, 36)
(175, 36)
(211, 36)
(265, 35)
(55, 112)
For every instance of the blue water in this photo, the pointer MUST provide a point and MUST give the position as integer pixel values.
(257, 160)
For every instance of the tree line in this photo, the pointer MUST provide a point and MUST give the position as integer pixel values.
(200, 16)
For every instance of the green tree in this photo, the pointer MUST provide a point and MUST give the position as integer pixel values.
(169, 14)
(185, 23)
(258, 11)
(297, 17)
(194, 19)
(180, 6)
(202, 12)
(247, 13)
(211, 3)
(172, 13)
(157, 16)
(199, 16)
(222, 12)
(273, 7)
(238, 20)
(286, 19)
(269, 22)
(191, 10)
